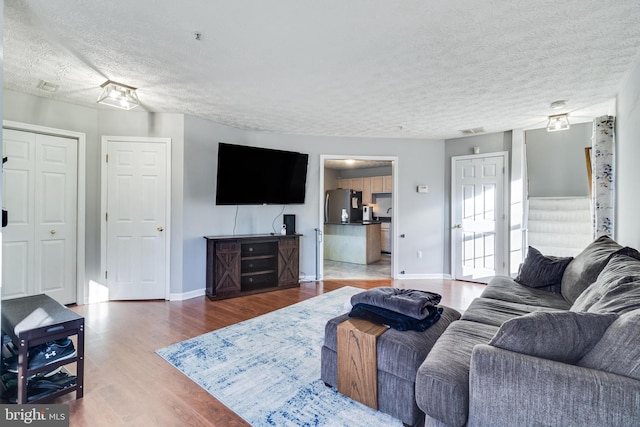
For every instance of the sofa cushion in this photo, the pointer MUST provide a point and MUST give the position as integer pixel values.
(563, 336)
(504, 288)
(538, 271)
(495, 312)
(617, 351)
(622, 297)
(584, 269)
(617, 282)
(442, 382)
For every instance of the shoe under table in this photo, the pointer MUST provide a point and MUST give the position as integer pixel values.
(398, 357)
(38, 319)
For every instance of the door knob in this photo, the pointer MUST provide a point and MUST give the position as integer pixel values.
(53, 231)
(457, 226)
(160, 228)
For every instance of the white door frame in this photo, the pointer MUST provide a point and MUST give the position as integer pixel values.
(396, 216)
(504, 255)
(103, 205)
(80, 214)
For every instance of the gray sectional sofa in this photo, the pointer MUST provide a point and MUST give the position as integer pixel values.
(557, 346)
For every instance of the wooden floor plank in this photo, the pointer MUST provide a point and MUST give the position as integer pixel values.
(127, 384)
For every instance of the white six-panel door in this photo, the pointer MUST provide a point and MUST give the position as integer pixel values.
(478, 217)
(40, 194)
(136, 221)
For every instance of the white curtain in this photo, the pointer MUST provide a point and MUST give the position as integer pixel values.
(603, 178)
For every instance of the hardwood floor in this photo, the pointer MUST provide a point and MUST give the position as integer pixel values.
(127, 384)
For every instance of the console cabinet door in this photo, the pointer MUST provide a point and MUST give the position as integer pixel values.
(288, 261)
(227, 268)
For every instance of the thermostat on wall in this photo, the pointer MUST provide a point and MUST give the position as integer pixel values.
(423, 189)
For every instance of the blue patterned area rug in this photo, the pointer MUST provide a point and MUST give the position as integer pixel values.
(267, 369)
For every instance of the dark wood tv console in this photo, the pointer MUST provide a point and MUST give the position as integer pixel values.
(247, 264)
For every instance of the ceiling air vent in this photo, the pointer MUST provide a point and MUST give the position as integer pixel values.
(473, 131)
(48, 87)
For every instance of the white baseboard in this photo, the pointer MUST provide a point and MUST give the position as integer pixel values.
(187, 295)
(424, 276)
(201, 292)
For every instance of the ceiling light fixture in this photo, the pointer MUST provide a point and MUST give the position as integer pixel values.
(118, 95)
(556, 105)
(558, 122)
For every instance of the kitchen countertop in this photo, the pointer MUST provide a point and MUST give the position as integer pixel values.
(355, 223)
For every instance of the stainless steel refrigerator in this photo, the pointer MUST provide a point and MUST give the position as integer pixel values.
(338, 200)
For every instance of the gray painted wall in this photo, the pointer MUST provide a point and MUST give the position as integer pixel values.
(627, 228)
(194, 213)
(420, 215)
(44, 112)
(201, 216)
(423, 218)
(331, 179)
(556, 164)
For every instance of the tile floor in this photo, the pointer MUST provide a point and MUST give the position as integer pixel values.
(346, 270)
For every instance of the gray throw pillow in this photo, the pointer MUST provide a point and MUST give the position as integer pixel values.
(586, 266)
(617, 351)
(620, 273)
(538, 271)
(563, 336)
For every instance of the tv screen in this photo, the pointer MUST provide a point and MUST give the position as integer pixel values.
(258, 176)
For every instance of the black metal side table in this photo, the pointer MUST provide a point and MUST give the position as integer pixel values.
(33, 320)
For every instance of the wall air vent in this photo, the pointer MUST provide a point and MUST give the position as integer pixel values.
(473, 131)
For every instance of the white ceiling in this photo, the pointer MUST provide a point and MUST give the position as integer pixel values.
(372, 68)
(342, 164)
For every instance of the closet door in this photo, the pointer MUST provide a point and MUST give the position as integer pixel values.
(18, 237)
(40, 194)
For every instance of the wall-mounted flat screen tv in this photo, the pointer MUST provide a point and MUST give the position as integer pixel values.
(258, 176)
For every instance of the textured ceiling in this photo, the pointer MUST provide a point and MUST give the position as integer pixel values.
(372, 68)
(342, 164)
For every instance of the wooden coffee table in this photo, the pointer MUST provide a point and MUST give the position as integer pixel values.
(358, 361)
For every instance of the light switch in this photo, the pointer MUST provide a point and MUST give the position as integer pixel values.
(423, 189)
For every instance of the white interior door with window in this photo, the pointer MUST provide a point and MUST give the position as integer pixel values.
(40, 193)
(478, 216)
(136, 217)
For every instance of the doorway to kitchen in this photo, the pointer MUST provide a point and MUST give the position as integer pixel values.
(357, 240)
